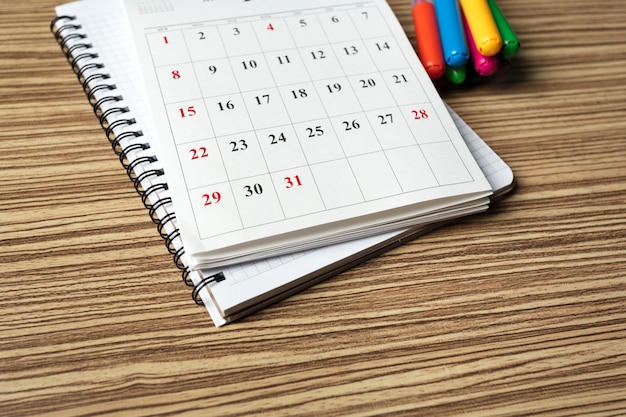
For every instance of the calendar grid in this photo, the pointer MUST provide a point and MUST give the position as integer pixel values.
(367, 120)
(299, 113)
(239, 209)
(290, 122)
(326, 113)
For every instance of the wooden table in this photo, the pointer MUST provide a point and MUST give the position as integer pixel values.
(521, 310)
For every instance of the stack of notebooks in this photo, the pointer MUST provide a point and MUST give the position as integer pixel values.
(274, 143)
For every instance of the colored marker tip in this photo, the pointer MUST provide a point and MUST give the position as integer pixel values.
(510, 49)
(435, 71)
(490, 46)
(486, 68)
(456, 75)
(457, 59)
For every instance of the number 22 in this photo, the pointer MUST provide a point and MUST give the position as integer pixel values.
(201, 152)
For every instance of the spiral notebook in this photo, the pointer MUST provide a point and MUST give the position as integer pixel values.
(96, 40)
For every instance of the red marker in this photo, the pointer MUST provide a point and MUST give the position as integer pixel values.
(427, 38)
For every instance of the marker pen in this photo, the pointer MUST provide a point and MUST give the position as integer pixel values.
(482, 26)
(484, 65)
(456, 75)
(510, 41)
(453, 42)
(427, 38)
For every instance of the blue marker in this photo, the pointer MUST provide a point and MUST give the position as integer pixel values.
(453, 40)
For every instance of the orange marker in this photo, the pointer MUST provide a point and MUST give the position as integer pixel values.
(427, 38)
(482, 26)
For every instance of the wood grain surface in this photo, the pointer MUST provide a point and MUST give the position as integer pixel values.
(520, 311)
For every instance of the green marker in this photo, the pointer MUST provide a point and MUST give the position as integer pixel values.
(510, 41)
(456, 75)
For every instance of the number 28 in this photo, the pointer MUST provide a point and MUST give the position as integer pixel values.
(419, 114)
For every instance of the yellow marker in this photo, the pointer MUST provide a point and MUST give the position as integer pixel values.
(482, 25)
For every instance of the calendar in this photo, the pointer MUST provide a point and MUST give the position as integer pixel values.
(290, 124)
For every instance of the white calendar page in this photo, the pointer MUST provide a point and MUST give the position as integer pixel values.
(286, 124)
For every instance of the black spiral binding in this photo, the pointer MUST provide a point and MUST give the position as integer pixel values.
(195, 294)
(95, 81)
